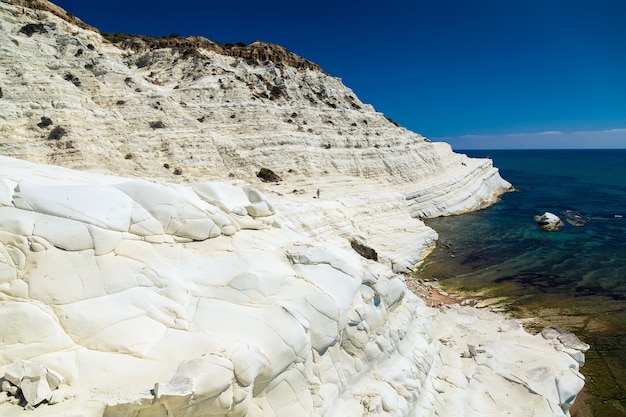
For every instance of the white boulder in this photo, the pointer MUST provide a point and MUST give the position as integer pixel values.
(549, 221)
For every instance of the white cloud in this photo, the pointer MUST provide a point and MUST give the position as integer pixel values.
(550, 132)
(547, 132)
(552, 139)
(607, 131)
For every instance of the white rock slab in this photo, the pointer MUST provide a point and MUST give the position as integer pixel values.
(267, 321)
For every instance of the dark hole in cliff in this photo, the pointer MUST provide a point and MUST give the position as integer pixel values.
(57, 133)
(376, 301)
(72, 78)
(191, 53)
(277, 92)
(267, 175)
(364, 251)
(45, 122)
(33, 28)
(157, 124)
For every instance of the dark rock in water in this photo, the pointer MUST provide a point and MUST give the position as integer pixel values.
(549, 221)
(575, 218)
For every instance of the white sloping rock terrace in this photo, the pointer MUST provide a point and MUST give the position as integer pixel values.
(160, 299)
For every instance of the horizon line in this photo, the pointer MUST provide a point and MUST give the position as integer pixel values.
(539, 149)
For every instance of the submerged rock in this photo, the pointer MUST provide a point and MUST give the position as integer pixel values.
(575, 218)
(549, 222)
(567, 342)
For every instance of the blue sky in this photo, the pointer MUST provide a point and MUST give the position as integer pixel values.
(477, 74)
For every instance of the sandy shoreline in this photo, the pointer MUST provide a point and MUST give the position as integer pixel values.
(436, 297)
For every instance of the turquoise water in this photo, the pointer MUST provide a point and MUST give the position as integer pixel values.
(575, 277)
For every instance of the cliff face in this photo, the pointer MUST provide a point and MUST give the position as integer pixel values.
(135, 284)
(181, 110)
(191, 104)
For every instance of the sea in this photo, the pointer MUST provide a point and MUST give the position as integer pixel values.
(574, 277)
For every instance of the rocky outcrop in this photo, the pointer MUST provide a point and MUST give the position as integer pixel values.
(549, 222)
(256, 53)
(26, 6)
(31, 383)
(188, 109)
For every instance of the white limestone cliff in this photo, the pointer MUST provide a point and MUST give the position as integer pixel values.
(188, 113)
(160, 276)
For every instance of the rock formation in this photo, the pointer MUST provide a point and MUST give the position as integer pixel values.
(146, 269)
(31, 382)
(162, 299)
(549, 222)
(182, 110)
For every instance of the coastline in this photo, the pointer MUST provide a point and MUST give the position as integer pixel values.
(436, 296)
(543, 279)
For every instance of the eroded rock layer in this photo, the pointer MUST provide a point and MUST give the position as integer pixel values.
(188, 109)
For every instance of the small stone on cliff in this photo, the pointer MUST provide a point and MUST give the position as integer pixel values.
(549, 221)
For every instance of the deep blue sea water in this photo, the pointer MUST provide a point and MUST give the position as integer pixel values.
(575, 277)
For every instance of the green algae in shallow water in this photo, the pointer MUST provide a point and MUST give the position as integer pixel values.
(574, 278)
(597, 320)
